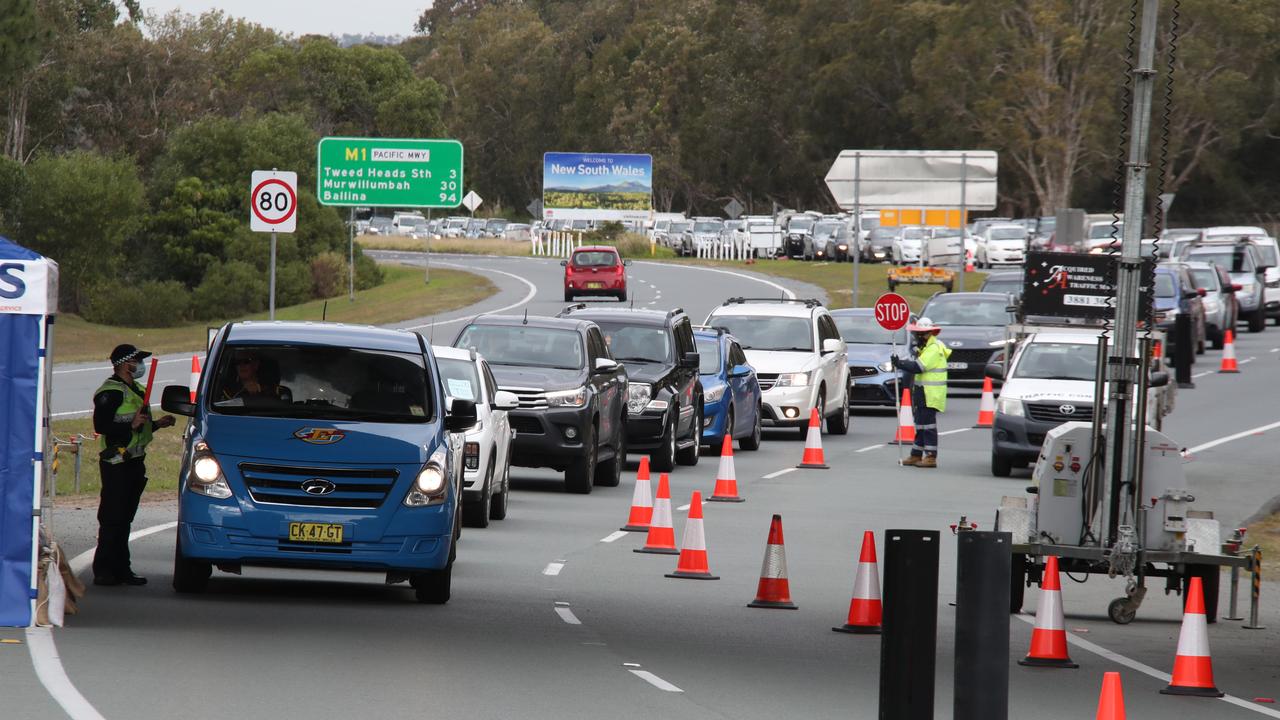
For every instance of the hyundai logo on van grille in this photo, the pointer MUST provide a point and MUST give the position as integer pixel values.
(318, 486)
(319, 436)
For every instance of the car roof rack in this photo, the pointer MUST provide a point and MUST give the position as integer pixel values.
(807, 302)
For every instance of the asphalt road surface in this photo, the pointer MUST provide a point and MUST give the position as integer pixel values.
(553, 616)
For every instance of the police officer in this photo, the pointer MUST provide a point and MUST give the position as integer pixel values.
(929, 394)
(124, 428)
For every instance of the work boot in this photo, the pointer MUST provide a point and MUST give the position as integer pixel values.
(929, 461)
(911, 460)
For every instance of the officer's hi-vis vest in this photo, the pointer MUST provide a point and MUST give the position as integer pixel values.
(933, 358)
(140, 438)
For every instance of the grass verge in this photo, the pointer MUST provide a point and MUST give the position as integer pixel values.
(402, 296)
(163, 460)
(1266, 534)
(837, 280)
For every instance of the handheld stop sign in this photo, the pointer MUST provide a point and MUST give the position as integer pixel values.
(892, 311)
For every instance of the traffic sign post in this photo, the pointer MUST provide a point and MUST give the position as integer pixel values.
(892, 313)
(273, 208)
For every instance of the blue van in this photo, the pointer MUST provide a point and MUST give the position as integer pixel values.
(319, 445)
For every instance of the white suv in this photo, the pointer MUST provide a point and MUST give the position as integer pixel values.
(799, 357)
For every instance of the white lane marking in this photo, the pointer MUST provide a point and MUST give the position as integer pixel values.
(869, 448)
(617, 535)
(1274, 350)
(1143, 668)
(554, 568)
(779, 473)
(533, 290)
(73, 412)
(107, 368)
(744, 276)
(682, 508)
(1248, 360)
(654, 680)
(953, 432)
(48, 666)
(1202, 374)
(1229, 438)
(567, 615)
(44, 652)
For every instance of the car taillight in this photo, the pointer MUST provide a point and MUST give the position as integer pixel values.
(471, 455)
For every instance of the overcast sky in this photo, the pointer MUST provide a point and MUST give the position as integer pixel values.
(300, 17)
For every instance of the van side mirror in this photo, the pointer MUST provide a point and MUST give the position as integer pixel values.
(740, 371)
(994, 371)
(177, 400)
(461, 415)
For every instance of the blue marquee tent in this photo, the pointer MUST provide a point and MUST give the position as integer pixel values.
(28, 302)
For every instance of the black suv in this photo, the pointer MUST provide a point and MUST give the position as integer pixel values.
(572, 394)
(664, 394)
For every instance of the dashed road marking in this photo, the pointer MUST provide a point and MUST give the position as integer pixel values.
(562, 609)
(1229, 438)
(869, 448)
(533, 290)
(1274, 350)
(554, 568)
(618, 535)
(953, 432)
(652, 679)
(779, 473)
(682, 508)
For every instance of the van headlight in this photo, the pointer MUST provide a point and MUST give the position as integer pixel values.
(206, 476)
(430, 487)
(797, 379)
(574, 398)
(1010, 406)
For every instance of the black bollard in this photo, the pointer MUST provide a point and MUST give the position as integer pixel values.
(1183, 351)
(982, 625)
(909, 641)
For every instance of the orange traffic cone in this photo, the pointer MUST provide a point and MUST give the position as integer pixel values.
(1049, 637)
(693, 550)
(195, 376)
(1111, 701)
(1192, 667)
(986, 406)
(641, 501)
(726, 479)
(662, 536)
(906, 434)
(865, 608)
(774, 591)
(813, 444)
(1229, 354)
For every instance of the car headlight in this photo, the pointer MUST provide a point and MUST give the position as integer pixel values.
(886, 366)
(714, 394)
(206, 476)
(797, 379)
(575, 398)
(1273, 283)
(638, 395)
(1010, 406)
(430, 486)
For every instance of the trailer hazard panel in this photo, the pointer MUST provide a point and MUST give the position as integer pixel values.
(1071, 285)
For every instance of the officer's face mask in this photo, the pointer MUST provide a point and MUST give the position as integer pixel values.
(139, 369)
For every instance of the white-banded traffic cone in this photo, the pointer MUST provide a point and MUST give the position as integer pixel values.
(1049, 637)
(693, 549)
(813, 457)
(662, 535)
(641, 501)
(865, 609)
(1192, 667)
(1229, 364)
(726, 489)
(774, 591)
(195, 376)
(906, 433)
(986, 406)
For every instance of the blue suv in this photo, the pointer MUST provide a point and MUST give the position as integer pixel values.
(730, 391)
(319, 445)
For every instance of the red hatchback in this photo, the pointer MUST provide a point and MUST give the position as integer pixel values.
(595, 270)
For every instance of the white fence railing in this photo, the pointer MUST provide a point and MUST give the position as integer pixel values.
(555, 243)
(731, 249)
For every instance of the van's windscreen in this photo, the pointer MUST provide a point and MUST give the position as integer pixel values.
(321, 383)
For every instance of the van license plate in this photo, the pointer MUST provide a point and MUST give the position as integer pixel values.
(315, 532)
(957, 366)
(594, 285)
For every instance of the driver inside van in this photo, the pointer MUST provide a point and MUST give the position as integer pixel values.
(254, 381)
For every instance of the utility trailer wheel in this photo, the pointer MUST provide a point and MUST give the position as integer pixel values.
(1122, 611)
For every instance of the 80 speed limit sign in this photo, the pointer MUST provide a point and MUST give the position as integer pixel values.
(273, 201)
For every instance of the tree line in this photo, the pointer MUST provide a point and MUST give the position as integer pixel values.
(128, 139)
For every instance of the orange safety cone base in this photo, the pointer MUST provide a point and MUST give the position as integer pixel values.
(772, 604)
(1234, 370)
(657, 551)
(858, 629)
(1047, 662)
(814, 466)
(692, 575)
(634, 528)
(717, 498)
(1192, 691)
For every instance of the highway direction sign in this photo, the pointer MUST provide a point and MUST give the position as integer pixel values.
(273, 201)
(389, 172)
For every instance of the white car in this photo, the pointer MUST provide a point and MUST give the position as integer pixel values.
(1269, 253)
(909, 244)
(486, 452)
(799, 357)
(1004, 244)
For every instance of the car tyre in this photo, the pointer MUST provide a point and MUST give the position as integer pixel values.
(1258, 320)
(622, 296)
(822, 409)
(664, 458)
(839, 423)
(1001, 466)
(579, 476)
(609, 473)
(716, 448)
(568, 297)
(433, 587)
(1218, 339)
(689, 456)
(498, 508)
(189, 576)
(476, 514)
(752, 441)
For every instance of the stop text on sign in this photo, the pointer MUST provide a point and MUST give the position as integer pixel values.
(892, 311)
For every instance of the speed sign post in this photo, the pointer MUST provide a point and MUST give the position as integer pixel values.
(273, 208)
(892, 313)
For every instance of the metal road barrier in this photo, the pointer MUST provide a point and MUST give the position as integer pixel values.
(734, 249)
(556, 243)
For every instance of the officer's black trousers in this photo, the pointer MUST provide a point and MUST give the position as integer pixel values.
(926, 422)
(122, 486)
